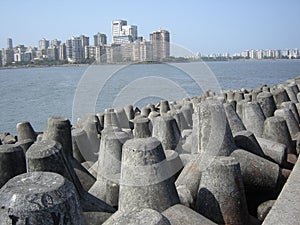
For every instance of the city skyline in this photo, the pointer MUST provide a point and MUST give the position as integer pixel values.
(200, 26)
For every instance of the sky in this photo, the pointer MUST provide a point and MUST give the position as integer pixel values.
(210, 26)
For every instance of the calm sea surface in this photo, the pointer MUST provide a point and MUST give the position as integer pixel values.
(34, 94)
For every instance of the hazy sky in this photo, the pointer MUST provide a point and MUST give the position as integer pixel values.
(210, 26)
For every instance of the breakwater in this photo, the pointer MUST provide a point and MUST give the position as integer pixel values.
(220, 158)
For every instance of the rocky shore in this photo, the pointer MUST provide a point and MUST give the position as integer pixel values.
(220, 158)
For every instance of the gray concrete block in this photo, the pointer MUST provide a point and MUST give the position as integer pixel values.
(286, 208)
(12, 162)
(221, 195)
(137, 217)
(180, 214)
(145, 180)
(25, 131)
(39, 198)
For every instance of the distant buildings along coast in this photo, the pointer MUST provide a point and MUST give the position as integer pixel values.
(126, 46)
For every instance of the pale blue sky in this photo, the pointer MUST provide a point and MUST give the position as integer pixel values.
(209, 26)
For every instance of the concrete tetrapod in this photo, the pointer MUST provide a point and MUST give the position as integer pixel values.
(292, 106)
(48, 156)
(109, 166)
(59, 130)
(259, 174)
(122, 118)
(234, 120)
(39, 198)
(180, 214)
(267, 104)
(221, 196)
(25, 131)
(246, 140)
(12, 162)
(291, 122)
(290, 90)
(213, 134)
(141, 128)
(91, 126)
(81, 146)
(166, 130)
(275, 129)
(253, 118)
(188, 182)
(280, 96)
(137, 217)
(145, 180)
(164, 107)
(273, 151)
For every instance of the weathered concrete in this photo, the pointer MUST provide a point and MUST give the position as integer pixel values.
(47, 155)
(59, 129)
(145, 111)
(264, 208)
(137, 217)
(82, 149)
(234, 120)
(92, 218)
(12, 162)
(246, 140)
(145, 180)
(25, 131)
(141, 128)
(122, 118)
(292, 106)
(9, 139)
(180, 214)
(39, 198)
(291, 122)
(253, 118)
(213, 136)
(275, 129)
(166, 130)
(25, 144)
(109, 165)
(91, 126)
(286, 208)
(188, 181)
(221, 196)
(110, 119)
(274, 151)
(258, 173)
(280, 96)
(240, 108)
(267, 104)
(292, 92)
(164, 107)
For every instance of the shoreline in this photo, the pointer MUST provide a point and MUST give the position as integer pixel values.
(29, 66)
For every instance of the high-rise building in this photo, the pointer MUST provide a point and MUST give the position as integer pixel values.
(9, 43)
(76, 48)
(69, 49)
(85, 41)
(100, 39)
(123, 33)
(7, 56)
(160, 41)
(130, 30)
(43, 44)
(55, 42)
(62, 52)
(117, 27)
